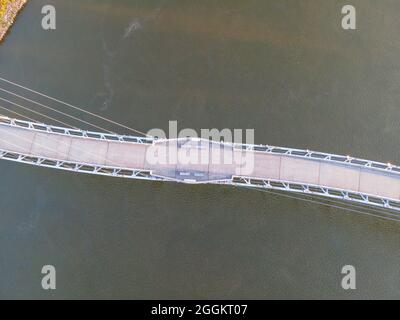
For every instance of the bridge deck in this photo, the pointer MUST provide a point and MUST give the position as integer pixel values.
(135, 155)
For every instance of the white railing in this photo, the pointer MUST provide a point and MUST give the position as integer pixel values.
(79, 167)
(317, 190)
(73, 132)
(308, 154)
(320, 156)
(252, 182)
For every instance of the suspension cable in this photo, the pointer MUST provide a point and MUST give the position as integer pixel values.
(18, 114)
(326, 204)
(57, 111)
(353, 204)
(38, 113)
(74, 107)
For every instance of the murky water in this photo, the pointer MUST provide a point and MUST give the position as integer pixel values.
(284, 68)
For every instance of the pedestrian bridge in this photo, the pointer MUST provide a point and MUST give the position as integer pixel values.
(199, 161)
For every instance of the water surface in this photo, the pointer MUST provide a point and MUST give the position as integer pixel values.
(283, 68)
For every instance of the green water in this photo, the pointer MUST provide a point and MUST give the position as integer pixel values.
(283, 68)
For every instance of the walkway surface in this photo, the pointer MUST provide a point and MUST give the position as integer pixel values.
(199, 161)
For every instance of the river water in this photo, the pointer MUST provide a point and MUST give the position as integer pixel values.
(284, 68)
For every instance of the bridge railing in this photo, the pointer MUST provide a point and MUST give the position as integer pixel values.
(317, 190)
(79, 166)
(73, 132)
(252, 182)
(321, 156)
(300, 153)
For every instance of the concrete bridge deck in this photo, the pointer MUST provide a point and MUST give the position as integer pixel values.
(195, 161)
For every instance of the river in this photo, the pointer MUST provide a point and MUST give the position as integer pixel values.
(283, 68)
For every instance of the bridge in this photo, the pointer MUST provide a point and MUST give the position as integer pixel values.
(199, 161)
